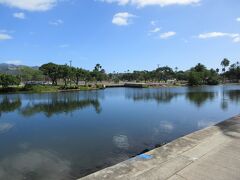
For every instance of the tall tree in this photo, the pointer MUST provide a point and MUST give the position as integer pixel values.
(200, 67)
(225, 63)
(64, 72)
(98, 73)
(79, 74)
(98, 67)
(50, 70)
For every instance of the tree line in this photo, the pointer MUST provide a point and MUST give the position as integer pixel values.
(197, 75)
(71, 75)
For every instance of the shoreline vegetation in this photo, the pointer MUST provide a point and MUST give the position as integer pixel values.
(52, 89)
(52, 77)
(89, 87)
(46, 89)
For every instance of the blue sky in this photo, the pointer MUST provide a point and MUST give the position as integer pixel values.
(120, 34)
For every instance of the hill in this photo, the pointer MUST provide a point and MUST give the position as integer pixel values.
(13, 69)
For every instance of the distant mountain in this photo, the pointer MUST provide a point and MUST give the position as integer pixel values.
(12, 68)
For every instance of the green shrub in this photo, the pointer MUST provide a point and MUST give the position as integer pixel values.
(9, 80)
(100, 86)
(39, 88)
(213, 81)
(68, 87)
(195, 79)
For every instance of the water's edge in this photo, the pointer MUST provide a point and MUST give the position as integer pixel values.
(144, 162)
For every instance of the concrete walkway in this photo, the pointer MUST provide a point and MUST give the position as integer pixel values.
(212, 153)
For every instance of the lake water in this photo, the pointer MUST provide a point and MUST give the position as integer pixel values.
(58, 136)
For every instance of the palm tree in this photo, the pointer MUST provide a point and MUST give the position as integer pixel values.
(176, 69)
(225, 63)
(98, 67)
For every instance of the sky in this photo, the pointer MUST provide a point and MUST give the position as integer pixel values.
(121, 35)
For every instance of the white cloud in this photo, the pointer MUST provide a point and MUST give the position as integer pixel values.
(216, 34)
(236, 39)
(56, 22)
(168, 126)
(122, 18)
(5, 127)
(4, 36)
(6, 31)
(155, 30)
(238, 19)
(121, 141)
(19, 15)
(30, 5)
(120, 2)
(15, 62)
(234, 36)
(24, 163)
(167, 35)
(153, 23)
(162, 3)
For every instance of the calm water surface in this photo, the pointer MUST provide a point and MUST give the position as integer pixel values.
(62, 136)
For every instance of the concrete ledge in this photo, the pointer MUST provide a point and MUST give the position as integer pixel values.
(179, 159)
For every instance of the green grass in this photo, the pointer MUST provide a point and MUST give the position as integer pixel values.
(40, 88)
(46, 88)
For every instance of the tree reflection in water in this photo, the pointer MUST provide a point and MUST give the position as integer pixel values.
(166, 95)
(60, 106)
(159, 95)
(234, 95)
(9, 105)
(230, 96)
(199, 98)
(65, 103)
(52, 104)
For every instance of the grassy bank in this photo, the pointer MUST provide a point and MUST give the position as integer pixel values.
(48, 88)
